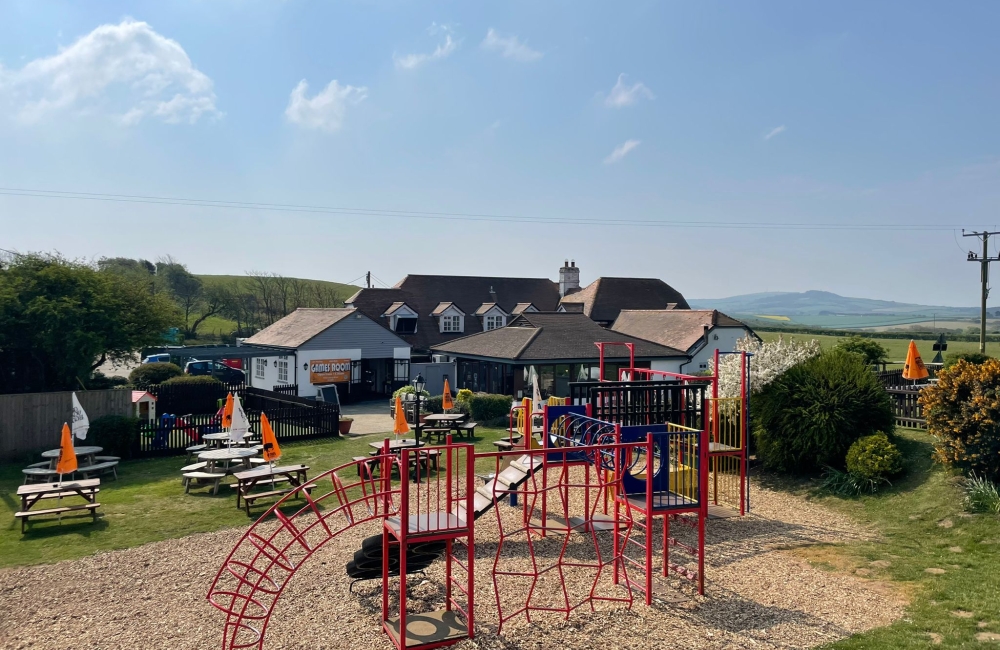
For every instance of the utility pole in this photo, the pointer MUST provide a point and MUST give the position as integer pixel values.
(368, 279)
(984, 262)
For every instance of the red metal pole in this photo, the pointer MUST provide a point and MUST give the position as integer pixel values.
(404, 525)
(649, 519)
(702, 505)
(470, 469)
(744, 431)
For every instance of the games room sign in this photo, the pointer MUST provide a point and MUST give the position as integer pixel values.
(329, 371)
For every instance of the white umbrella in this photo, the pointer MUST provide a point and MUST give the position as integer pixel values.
(241, 425)
(81, 423)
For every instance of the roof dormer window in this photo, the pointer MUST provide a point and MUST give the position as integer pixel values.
(451, 319)
(402, 319)
(451, 323)
(493, 321)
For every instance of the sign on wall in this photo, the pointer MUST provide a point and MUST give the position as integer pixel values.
(329, 371)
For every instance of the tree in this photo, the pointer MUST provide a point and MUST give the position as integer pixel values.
(870, 349)
(186, 288)
(60, 320)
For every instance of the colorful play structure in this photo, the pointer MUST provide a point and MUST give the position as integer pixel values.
(606, 464)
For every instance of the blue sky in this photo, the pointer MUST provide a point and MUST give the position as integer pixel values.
(561, 114)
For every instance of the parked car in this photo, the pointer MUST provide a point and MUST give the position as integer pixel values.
(218, 370)
(157, 358)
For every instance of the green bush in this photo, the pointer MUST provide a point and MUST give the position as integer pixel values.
(975, 358)
(432, 404)
(847, 484)
(100, 381)
(192, 380)
(963, 414)
(118, 434)
(408, 390)
(874, 457)
(149, 374)
(464, 395)
(870, 349)
(484, 407)
(808, 417)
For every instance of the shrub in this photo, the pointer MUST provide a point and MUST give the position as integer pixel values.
(484, 407)
(100, 381)
(118, 434)
(963, 414)
(870, 349)
(975, 358)
(432, 404)
(850, 485)
(408, 390)
(192, 380)
(464, 395)
(148, 374)
(874, 457)
(809, 416)
(981, 495)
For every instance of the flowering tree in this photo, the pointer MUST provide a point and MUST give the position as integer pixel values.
(769, 361)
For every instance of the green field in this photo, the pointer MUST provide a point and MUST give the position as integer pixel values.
(896, 347)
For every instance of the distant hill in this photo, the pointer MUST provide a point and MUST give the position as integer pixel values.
(344, 291)
(825, 303)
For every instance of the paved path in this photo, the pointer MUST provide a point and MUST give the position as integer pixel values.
(369, 417)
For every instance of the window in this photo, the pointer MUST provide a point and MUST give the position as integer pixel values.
(258, 367)
(405, 325)
(282, 371)
(401, 370)
(451, 323)
(493, 322)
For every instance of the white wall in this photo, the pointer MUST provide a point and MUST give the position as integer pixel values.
(666, 365)
(726, 342)
(304, 357)
(270, 379)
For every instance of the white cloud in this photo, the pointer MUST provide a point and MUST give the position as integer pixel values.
(775, 131)
(509, 47)
(442, 51)
(127, 70)
(621, 151)
(624, 95)
(326, 109)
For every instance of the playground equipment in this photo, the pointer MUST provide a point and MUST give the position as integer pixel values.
(604, 466)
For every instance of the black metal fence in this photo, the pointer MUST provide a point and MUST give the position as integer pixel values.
(642, 402)
(292, 418)
(197, 399)
(287, 389)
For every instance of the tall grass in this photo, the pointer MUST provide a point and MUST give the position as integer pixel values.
(981, 495)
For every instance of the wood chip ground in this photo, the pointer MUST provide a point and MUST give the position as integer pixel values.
(759, 595)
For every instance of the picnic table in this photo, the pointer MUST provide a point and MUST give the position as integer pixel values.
(396, 447)
(85, 452)
(226, 455)
(32, 494)
(294, 475)
(444, 423)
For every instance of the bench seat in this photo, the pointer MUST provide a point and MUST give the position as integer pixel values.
(24, 515)
(99, 468)
(38, 474)
(207, 477)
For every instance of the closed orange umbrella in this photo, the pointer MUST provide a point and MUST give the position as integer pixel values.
(446, 401)
(227, 412)
(914, 367)
(272, 451)
(67, 457)
(401, 425)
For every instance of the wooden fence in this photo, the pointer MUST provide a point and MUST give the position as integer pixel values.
(31, 422)
(908, 412)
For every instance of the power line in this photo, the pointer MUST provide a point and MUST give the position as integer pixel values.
(459, 216)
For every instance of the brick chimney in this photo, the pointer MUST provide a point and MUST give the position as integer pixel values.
(569, 278)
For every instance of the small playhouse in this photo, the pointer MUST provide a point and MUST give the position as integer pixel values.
(610, 471)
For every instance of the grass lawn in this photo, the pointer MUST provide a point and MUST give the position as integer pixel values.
(148, 503)
(923, 526)
(896, 347)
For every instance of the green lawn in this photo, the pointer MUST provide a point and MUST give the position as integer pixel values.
(924, 527)
(896, 347)
(148, 503)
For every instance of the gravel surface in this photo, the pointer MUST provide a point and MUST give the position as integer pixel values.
(758, 594)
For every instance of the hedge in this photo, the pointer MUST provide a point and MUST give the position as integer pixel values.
(191, 380)
(484, 407)
(149, 374)
(118, 434)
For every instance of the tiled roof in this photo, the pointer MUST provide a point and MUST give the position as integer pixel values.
(521, 307)
(443, 307)
(423, 293)
(603, 298)
(298, 327)
(391, 309)
(551, 336)
(486, 306)
(677, 328)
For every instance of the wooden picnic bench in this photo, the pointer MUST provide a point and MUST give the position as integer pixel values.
(99, 469)
(203, 478)
(32, 494)
(293, 475)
